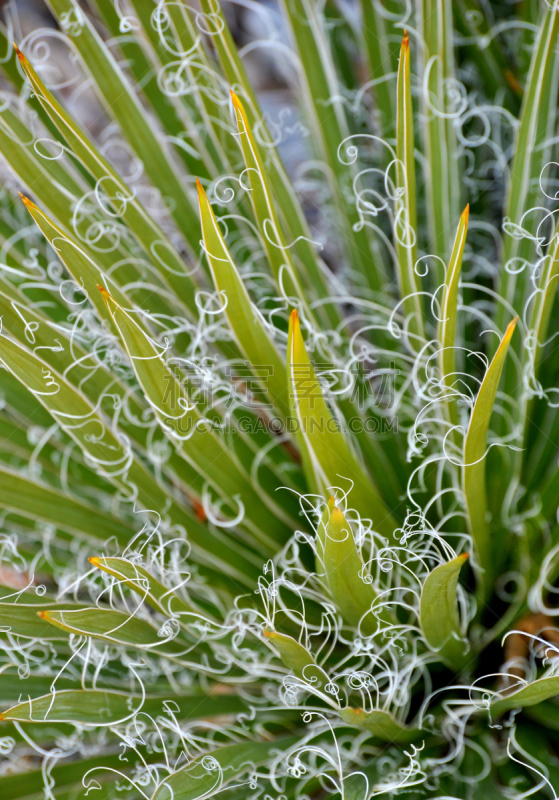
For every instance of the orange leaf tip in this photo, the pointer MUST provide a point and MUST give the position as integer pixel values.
(105, 293)
(19, 54)
(43, 614)
(94, 560)
(26, 201)
(405, 40)
(201, 193)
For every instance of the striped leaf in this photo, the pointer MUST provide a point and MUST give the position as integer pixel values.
(328, 459)
(439, 612)
(475, 448)
(380, 724)
(346, 576)
(405, 211)
(441, 157)
(530, 695)
(244, 319)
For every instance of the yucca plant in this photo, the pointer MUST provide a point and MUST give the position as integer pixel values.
(278, 467)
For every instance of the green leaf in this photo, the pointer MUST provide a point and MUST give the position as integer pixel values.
(263, 204)
(380, 724)
(322, 97)
(116, 194)
(542, 304)
(192, 433)
(39, 502)
(85, 271)
(297, 658)
(317, 275)
(449, 306)
(85, 707)
(110, 82)
(380, 34)
(346, 574)
(21, 619)
(206, 775)
(95, 707)
(441, 156)
(406, 230)
(116, 627)
(139, 580)
(530, 695)
(531, 154)
(327, 457)
(67, 776)
(439, 612)
(244, 318)
(475, 447)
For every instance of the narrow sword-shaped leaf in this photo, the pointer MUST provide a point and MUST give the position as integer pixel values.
(116, 627)
(439, 612)
(537, 119)
(327, 457)
(380, 723)
(206, 775)
(297, 658)
(441, 161)
(405, 211)
(449, 301)
(139, 580)
(119, 196)
(122, 104)
(529, 695)
(93, 707)
(37, 501)
(379, 35)
(323, 96)
(475, 448)
(448, 315)
(191, 432)
(262, 200)
(346, 576)
(244, 319)
(292, 215)
(21, 619)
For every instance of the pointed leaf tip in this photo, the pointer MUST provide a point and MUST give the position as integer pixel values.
(406, 40)
(336, 515)
(105, 293)
(19, 54)
(94, 560)
(26, 201)
(42, 614)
